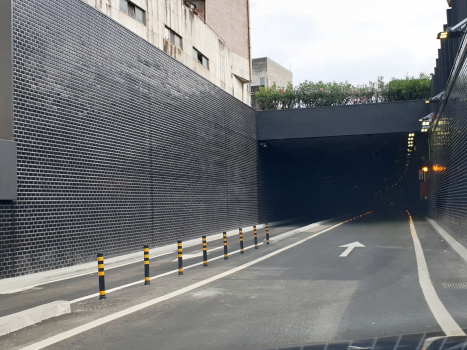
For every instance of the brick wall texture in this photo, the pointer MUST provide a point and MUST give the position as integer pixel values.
(229, 18)
(119, 145)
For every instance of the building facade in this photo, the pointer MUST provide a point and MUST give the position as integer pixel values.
(210, 37)
(266, 72)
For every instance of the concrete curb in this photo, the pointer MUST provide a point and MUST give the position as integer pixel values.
(298, 230)
(29, 317)
(458, 248)
(21, 283)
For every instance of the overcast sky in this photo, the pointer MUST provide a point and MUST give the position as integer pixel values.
(353, 40)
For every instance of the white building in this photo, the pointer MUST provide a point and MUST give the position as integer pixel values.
(212, 37)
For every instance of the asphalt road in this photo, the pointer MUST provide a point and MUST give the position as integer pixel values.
(82, 286)
(304, 294)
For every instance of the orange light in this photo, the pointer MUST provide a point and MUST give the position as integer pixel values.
(425, 169)
(439, 168)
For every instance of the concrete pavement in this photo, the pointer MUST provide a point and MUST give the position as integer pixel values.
(304, 294)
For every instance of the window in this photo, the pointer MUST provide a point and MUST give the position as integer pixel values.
(173, 37)
(200, 58)
(133, 11)
(262, 81)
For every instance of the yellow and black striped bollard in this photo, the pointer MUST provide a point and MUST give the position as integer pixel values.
(205, 252)
(226, 255)
(256, 237)
(180, 258)
(100, 267)
(147, 279)
(240, 231)
(267, 233)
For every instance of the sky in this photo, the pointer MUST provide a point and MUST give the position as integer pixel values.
(348, 40)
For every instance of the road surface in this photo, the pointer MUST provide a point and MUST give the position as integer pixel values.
(299, 290)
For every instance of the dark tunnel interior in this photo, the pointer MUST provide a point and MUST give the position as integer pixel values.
(329, 176)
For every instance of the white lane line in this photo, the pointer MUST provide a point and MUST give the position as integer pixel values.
(288, 234)
(22, 289)
(441, 314)
(196, 255)
(99, 322)
(157, 276)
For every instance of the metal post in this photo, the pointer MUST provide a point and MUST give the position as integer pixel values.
(267, 233)
(147, 279)
(180, 258)
(256, 237)
(100, 267)
(205, 252)
(240, 231)
(226, 255)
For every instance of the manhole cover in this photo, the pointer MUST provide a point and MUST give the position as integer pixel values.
(462, 285)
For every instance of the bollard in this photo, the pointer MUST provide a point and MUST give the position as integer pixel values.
(205, 252)
(267, 233)
(100, 267)
(147, 279)
(226, 256)
(240, 231)
(180, 258)
(256, 237)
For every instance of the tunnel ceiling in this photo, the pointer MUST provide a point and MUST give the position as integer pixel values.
(326, 148)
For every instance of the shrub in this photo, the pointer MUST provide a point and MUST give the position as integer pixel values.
(309, 94)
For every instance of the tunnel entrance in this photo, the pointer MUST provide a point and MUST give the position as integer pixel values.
(329, 176)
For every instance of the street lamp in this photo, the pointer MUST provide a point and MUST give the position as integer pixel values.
(454, 32)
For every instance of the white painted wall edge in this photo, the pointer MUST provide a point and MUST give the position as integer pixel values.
(458, 248)
(31, 316)
(21, 283)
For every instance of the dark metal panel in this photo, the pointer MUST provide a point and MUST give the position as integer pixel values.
(6, 66)
(378, 118)
(8, 185)
(448, 145)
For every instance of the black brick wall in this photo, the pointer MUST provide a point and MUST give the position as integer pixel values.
(119, 145)
(449, 156)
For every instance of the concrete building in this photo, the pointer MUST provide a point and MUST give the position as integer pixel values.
(211, 37)
(266, 72)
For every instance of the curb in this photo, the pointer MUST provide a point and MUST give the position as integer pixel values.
(29, 317)
(21, 283)
(298, 230)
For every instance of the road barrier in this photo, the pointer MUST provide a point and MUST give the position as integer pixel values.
(240, 232)
(226, 255)
(100, 268)
(267, 233)
(255, 234)
(147, 279)
(205, 252)
(180, 258)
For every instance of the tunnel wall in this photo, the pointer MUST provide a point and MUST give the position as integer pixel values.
(448, 153)
(118, 144)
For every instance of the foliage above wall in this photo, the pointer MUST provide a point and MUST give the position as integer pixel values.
(309, 94)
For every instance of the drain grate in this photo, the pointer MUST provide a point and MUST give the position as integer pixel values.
(462, 285)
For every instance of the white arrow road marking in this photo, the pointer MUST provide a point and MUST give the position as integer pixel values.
(103, 320)
(350, 247)
(196, 255)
